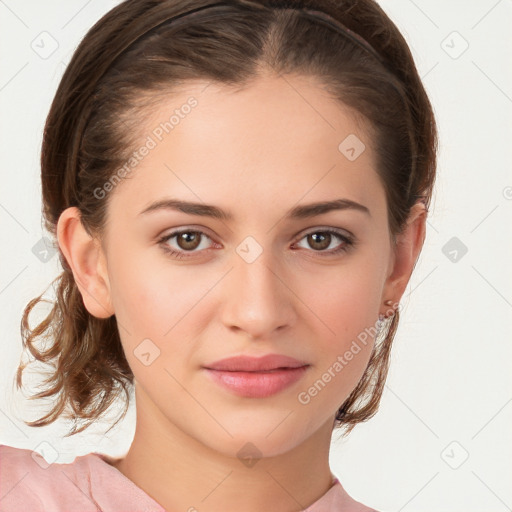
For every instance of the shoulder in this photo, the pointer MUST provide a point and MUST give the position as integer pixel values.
(29, 482)
(88, 484)
(337, 499)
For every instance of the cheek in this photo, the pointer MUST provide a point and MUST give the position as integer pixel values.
(343, 352)
(149, 295)
(345, 301)
(165, 304)
(346, 312)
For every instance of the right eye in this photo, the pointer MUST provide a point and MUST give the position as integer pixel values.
(187, 239)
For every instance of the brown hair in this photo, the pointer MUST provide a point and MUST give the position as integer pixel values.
(121, 68)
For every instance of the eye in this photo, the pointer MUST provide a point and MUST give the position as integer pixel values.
(322, 238)
(187, 240)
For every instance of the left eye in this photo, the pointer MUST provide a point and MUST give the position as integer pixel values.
(189, 240)
(323, 239)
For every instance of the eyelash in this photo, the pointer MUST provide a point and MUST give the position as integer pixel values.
(348, 244)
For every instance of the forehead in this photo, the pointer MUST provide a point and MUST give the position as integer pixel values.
(268, 144)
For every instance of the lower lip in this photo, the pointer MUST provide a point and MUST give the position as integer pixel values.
(257, 384)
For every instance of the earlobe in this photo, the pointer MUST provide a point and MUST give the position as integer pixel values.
(84, 255)
(406, 252)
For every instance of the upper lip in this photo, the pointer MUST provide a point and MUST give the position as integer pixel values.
(254, 364)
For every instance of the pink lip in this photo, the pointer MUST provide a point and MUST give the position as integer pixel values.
(257, 377)
(255, 364)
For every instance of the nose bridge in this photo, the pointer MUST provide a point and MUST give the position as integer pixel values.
(257, 299)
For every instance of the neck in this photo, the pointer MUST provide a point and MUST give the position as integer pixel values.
(181, 473)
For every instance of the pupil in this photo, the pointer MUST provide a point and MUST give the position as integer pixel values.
(189, 239)
(321, 239)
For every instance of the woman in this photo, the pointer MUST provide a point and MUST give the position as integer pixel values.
(239, 193)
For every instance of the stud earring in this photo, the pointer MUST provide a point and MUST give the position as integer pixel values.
(388, 302)
(380, 321)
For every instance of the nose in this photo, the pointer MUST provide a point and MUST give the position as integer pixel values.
(258, 298)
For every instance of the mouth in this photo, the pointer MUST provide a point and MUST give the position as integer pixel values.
(257, 384)
(246, 363)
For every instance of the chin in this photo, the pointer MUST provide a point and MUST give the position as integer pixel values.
(257, 438)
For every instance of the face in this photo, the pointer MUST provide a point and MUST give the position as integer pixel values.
(262, 281)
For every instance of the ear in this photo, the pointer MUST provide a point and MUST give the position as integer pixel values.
(85, 256)
(406, 252)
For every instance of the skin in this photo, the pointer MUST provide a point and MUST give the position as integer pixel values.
(256, 153)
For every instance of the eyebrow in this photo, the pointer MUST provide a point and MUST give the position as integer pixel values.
(299, 212)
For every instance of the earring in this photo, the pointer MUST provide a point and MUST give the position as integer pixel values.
(388, 302)
(380, 321)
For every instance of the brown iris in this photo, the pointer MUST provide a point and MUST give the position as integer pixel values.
(188, 240)
(324, 239)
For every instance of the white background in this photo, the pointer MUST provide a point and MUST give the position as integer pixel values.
(449, 392)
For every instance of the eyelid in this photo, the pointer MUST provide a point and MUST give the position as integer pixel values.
(205, 231)
(317, 229)
(180, 229)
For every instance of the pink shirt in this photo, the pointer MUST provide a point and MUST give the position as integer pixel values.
(91, 484)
